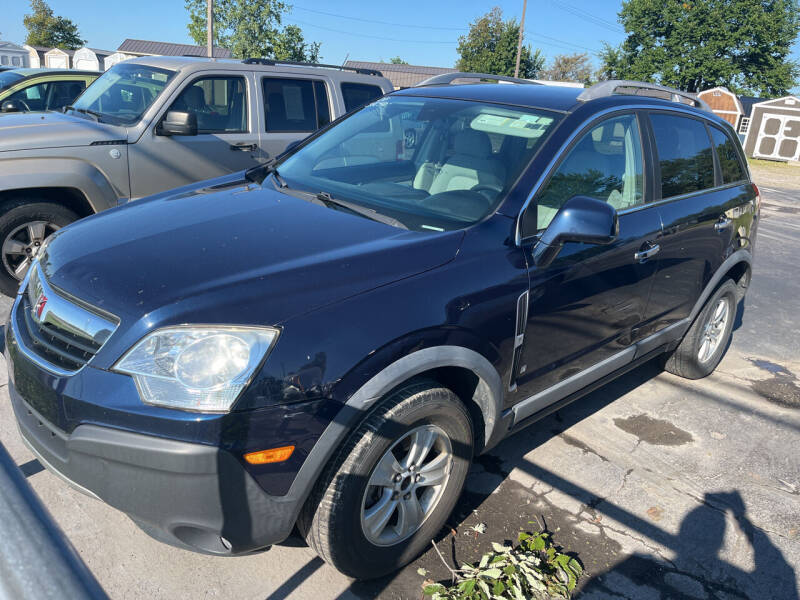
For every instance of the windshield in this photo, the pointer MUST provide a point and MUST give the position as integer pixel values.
(122, 94)
(8, 78)
(431, 163)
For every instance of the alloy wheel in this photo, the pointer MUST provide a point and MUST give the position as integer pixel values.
(23, 244)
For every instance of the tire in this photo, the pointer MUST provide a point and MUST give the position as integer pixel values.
(691, 359)
(331, 520)
(15, 236)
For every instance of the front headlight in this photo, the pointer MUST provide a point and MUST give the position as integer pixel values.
(196, 368)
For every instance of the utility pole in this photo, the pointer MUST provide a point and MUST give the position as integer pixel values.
(210, 29)
(521, 33)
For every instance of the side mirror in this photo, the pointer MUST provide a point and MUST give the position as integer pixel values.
(581, 219)
(178, 123)
(10, 106)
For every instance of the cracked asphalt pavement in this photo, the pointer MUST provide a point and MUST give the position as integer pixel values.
(663, 487)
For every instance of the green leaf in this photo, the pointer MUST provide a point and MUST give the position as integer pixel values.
(467, 586)
(500, 548)
(492, 573)
(434, 588)
(538, 543)
(498, 588)
(484, 561)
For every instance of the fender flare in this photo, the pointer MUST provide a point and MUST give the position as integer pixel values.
(26, 173)
(734, 259)
(488, 396)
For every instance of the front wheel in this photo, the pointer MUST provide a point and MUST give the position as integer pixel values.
(705, 343)
(24, 226)
(392, 486)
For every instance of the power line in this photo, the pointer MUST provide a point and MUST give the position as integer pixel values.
(587, 16)
(375, 37)
(330, 14)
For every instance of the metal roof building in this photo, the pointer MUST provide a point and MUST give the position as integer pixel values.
(401, 76)
(150, 48)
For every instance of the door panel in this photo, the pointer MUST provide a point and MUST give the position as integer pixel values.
(585, 306)
(702, 228)
(588, 304)
(227, 139)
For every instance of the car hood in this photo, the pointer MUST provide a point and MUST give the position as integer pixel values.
(29, 131)
(241, 254)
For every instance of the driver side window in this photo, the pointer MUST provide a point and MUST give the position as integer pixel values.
(606, 164)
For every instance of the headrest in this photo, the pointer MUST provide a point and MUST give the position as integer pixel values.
(472, 143)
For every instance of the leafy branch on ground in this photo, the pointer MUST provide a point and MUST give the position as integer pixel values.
(534, 568)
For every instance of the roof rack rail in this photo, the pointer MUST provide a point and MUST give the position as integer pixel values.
(271, 63)
(613, 86)
(448, 78)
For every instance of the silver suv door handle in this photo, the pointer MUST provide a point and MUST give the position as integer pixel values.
(652, 250)
(723, 224)
(244, 147)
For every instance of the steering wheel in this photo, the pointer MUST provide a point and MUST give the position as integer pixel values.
(492, 188)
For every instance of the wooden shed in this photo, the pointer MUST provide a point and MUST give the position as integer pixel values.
(724, 103)
(57, 59)
(113, 59)
(774, 130)
(89, 59)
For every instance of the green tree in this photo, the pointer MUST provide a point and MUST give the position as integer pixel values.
(569, 67)
(398, 61)
(252, 28)
(697, 44)
(491, 47)
(46, 29)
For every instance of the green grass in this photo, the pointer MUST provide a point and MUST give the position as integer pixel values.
(770, 164)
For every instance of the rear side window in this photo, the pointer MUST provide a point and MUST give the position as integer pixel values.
(295, 104)
(220, 104)
(684, 155)
(729, 162)
(356, 95)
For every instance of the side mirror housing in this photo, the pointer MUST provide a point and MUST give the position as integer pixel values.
(581, 219)
(10, 106)
(178, 123)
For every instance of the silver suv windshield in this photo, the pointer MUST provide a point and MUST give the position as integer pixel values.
(432, 164)
(123, 93)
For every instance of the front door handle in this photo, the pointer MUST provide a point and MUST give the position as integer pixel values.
(243, 147)
(723, 224)
(649, 251)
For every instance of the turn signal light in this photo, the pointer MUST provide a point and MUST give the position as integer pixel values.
(265, 457)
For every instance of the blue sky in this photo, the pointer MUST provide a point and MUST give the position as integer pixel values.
(422, 32)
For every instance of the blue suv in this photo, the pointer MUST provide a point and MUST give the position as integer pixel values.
(325, 341)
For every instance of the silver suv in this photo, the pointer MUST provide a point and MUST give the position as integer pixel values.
(155, 123)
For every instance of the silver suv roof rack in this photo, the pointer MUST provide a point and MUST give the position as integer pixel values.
(448, 78)
(271, 63)
(641, 88)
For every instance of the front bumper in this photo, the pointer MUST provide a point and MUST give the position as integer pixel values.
(192, 495)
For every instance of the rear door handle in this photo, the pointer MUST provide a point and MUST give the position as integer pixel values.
(650, 251)
(243, 147)
(723, 224)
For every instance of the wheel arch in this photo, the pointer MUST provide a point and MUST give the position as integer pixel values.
(738, 266)
(461, 369)
(69, 197)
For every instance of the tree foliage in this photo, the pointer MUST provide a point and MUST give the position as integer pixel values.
(491, 47)
(398, 61)
(569, 67)
(697, 44)
(252, 28)
(46, 29)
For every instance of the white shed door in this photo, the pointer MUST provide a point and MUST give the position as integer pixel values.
(779, 137)
(58, 62)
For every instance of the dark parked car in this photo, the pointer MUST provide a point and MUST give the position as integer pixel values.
(326, 341)
(38, 90)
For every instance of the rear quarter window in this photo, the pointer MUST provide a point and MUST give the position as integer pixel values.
(356, 95)
(684, 156)
(729, 160)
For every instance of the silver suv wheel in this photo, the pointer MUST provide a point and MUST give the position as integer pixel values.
(22, 245)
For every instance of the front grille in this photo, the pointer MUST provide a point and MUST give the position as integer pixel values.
(56, 329)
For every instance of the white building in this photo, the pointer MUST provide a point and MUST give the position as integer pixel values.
(112, 59)
(12, 55)
(57, 58)
(90, 59)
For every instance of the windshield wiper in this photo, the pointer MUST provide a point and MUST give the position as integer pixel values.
(259, 173)
(86, 111)
(369, 213)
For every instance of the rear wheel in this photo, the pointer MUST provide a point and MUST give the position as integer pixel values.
(705, 343)
(24, 226)
(392, 486)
